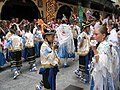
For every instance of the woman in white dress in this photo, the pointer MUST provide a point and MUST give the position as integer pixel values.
(105, 62)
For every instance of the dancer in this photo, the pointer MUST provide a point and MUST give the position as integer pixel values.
(49, 61)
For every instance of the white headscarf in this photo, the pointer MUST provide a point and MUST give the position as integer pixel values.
(65, 37)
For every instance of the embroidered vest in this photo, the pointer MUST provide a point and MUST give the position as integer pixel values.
(16, 44)
(84, 50)
(29, 42)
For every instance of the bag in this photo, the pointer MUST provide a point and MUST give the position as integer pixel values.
(84, 50)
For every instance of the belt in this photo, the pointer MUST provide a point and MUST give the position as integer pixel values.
(46, 66)
(29, 46)
(14, 50)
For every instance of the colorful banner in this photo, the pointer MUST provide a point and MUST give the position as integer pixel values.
(80, 14)
(51, 9)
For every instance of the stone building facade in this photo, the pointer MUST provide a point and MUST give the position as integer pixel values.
(47, 8)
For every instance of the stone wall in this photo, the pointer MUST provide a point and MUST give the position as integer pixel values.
(43, 9)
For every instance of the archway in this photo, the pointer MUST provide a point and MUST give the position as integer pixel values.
(22, 9)
(66, 10)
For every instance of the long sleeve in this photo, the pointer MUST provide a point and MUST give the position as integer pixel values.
(79, 38)
(108, 64)
(48, 55)
(108, 58)
(9, 43)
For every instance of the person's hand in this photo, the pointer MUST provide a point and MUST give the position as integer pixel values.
(93, 64)
(58, 60)
(54, 46)
(93, 48)
(93, 42)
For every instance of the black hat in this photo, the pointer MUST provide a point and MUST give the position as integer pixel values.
(92, 19)
(85, 25)
(13, 28)
(49, 32)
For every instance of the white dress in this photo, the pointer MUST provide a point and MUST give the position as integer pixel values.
(105, 71)
(66, 42)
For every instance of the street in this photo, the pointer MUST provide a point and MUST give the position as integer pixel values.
(27, 80)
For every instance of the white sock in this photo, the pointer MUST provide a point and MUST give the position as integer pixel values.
(65, 61)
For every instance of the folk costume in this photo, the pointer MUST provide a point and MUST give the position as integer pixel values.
(93, 26)
(105, 71)
(113, 37)
(2, 57)
(76, 31)
(66, 43)
(84, 54)
(119, 53)
(14, 47)
(38, 40)
(49, 64)
(114, 40)
(30, 49)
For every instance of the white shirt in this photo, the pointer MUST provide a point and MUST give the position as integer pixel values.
(97, 25)
(15, 43)
(48, 56)
(113, 37)
(29, 39)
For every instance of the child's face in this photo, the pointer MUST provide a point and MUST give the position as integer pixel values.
(88, 29)
(50, 38)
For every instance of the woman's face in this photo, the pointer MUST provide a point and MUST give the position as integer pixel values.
(50, 38)
(98, 36)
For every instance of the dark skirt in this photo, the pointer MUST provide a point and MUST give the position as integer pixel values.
(83, 63)
(75, 43)
(49, 77)
(29, 55)
(15, 59)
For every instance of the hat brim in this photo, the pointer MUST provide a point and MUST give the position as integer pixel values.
(44, 35)
(86, 26)
(49, 33)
